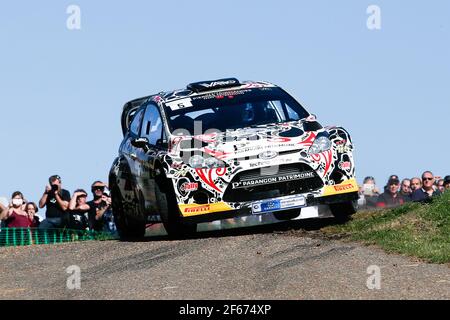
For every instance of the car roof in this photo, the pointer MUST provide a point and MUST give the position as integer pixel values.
(188, 92)
(192, 90)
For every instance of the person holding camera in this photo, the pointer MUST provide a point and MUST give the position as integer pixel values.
(78, 211)
(15, 215)
(56, 199)
(100, 207)
(369, 193)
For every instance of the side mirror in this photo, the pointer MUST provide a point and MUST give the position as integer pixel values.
(141, 143)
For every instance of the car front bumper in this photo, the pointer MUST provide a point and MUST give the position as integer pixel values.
(344, 192)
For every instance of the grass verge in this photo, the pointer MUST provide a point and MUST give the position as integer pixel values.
(418, 230)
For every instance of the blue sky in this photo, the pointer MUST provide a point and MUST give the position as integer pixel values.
(61, 91)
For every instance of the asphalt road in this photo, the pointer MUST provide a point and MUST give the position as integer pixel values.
(284, 261)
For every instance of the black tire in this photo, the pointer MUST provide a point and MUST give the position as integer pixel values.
(287, 214)
(129, 222)
(343, 211)
(170, 214)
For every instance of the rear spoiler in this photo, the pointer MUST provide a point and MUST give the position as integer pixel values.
(129, 109)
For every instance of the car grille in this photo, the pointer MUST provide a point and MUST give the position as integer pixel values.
(262, 183)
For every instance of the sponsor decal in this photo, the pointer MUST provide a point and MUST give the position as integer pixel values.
(343, 187)
(260, 164)
(261, 85)
(272, 179)
(214, 95)
(267, 155)
(346, 187)
(343, 148)
(344, 165)
(188, 210)
(218, 83)
(200, 209)
(271, 163)
(279, 139)
(189, 186)
(278, 204)
(263, 147)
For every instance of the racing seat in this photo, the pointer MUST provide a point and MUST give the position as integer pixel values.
(264, 114)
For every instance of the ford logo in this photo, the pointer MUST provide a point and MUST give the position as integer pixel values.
(267, 155)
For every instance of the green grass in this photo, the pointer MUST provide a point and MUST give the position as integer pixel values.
(418, 230)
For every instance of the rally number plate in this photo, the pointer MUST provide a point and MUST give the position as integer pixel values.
(278, 204)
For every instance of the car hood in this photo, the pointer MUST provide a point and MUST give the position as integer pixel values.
(264, 142)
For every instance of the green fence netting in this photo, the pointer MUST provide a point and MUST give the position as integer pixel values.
(35, 236)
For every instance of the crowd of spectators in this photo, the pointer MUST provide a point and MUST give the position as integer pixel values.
(396, 193)
(62, 209)
(75, 212)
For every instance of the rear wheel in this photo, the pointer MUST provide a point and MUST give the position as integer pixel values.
(343, 211)
(170, 214)
(129, 222)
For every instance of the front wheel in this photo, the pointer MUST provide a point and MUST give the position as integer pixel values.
(129, 223)
(170, 214)
(343, 211)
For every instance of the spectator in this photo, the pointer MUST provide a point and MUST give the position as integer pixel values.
(392, 176)
(56, 199)
(14, 215)
(78, 211)
(31, 209)
(405, 190)
(99, 212)
(2, 209)
(447, 182)
(416, 183)
(391, 197)
(427, 191)
(440, 185)
(369, 193)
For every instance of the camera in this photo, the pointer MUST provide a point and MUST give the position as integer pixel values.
(54, 188)
(368, 189)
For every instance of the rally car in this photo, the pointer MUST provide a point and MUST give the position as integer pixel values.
(222, 149)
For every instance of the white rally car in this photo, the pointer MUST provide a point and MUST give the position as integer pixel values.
(221, 149)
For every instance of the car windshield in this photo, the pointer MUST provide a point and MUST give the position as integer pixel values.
(220, 111)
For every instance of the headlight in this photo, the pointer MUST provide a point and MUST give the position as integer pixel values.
(321, 144)
(198, 161)
(214, 163)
